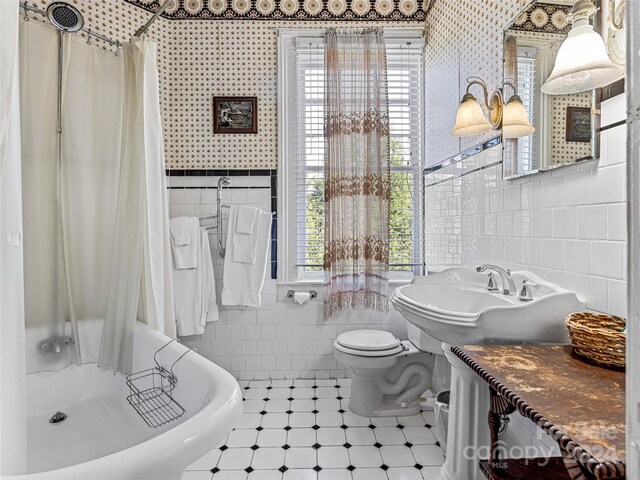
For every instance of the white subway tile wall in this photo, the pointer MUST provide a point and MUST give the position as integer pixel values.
(567, 225)
(279, 339)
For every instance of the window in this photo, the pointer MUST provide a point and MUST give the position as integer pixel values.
(535, 61)
(302, 154)
(527, 87)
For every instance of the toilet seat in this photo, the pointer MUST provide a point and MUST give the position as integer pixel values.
(368, 343)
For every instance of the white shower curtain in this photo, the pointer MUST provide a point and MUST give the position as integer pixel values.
(114, 202)
(141, 255)
(13, 388)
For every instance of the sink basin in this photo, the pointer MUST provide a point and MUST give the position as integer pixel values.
(454, 307)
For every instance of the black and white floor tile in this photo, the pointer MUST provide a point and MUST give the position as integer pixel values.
(303, 430)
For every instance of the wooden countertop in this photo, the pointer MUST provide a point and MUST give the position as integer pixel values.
(581, 405)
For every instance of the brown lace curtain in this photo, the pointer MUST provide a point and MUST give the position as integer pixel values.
(510, 75)
(357, 171)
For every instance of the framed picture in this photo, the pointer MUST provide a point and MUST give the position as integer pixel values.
(578, 124)
(235, 114)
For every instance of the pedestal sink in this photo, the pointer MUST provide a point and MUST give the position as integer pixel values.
(455, 307)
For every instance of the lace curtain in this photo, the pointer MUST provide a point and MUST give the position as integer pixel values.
(510, 166)
(357, 171)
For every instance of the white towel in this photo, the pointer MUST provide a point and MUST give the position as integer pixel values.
(180, 231)
(195, 293)
(246, 219)
(185, 233)
(209, 305)
(244, 244)
(243, 282)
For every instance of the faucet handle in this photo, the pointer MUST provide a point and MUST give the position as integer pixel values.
(526, 295)
(492, 285)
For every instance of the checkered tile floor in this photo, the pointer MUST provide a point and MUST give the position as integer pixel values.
(303, 430)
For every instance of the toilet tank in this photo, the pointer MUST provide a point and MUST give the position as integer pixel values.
(423, 341)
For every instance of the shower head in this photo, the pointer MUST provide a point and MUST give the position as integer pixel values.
(64, 17)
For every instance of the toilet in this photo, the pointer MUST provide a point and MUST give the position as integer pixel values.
(388, 375)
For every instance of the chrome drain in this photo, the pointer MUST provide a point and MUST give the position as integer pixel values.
(58, 417)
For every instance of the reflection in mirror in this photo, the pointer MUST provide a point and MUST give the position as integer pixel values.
(564, 127)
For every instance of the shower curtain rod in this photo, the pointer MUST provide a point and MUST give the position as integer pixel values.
(143, 29)
(26, 7)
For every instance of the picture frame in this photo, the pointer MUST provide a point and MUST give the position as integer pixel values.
(233, 115)
(578, 128)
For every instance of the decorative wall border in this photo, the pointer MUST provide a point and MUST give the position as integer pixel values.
(544, 17)
(360, 10)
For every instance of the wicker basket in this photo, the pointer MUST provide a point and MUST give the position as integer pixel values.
(600, 338)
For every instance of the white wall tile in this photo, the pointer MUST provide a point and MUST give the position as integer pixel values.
(565, 222)
(608, 184)
(592, 222)
(279, 339)
(577, 189)
(552, 253)
(617, 303)
(617, 221)
(568, 226)
(577, 256)
(607, 259)
(552, 192)
(542, 223)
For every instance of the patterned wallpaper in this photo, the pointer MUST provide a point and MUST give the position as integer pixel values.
(232, 58)
(291, 9)
(471, 30)
(561, 150)
(198, 59)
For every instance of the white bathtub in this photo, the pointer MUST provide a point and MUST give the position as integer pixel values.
(104, 438)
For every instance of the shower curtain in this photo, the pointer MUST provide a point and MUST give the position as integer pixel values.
(13, 388)
(141, 273)
(114, 206)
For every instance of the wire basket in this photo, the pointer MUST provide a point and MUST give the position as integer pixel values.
(150, 392)
(600, 338)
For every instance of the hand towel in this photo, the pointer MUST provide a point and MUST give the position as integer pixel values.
(209, 305)
(246, 219)
(180, 231)
(242, 282)
(244, 250)
(194, 292)
(185, 255)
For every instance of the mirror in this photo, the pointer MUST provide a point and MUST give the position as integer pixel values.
(565, 129)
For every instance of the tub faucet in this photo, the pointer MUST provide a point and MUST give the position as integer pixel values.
(508, 285)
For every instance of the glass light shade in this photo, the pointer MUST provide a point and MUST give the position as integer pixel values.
(470, 119)
(582, 64)
(515, 119)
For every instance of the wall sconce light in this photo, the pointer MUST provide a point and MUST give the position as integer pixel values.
(470, 118)
(515, 118)
(582, 63)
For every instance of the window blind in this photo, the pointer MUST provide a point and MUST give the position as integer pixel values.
(526, 89)
(405, 92)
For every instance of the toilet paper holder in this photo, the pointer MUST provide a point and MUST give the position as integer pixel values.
(312, 293)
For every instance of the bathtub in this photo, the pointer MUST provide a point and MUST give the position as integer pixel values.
(104, 438)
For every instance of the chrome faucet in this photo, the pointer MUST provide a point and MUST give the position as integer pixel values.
(508, 285)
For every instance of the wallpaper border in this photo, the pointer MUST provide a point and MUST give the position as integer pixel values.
(543, 17)
(313, 10)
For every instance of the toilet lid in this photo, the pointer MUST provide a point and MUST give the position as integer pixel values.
(368, 340)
